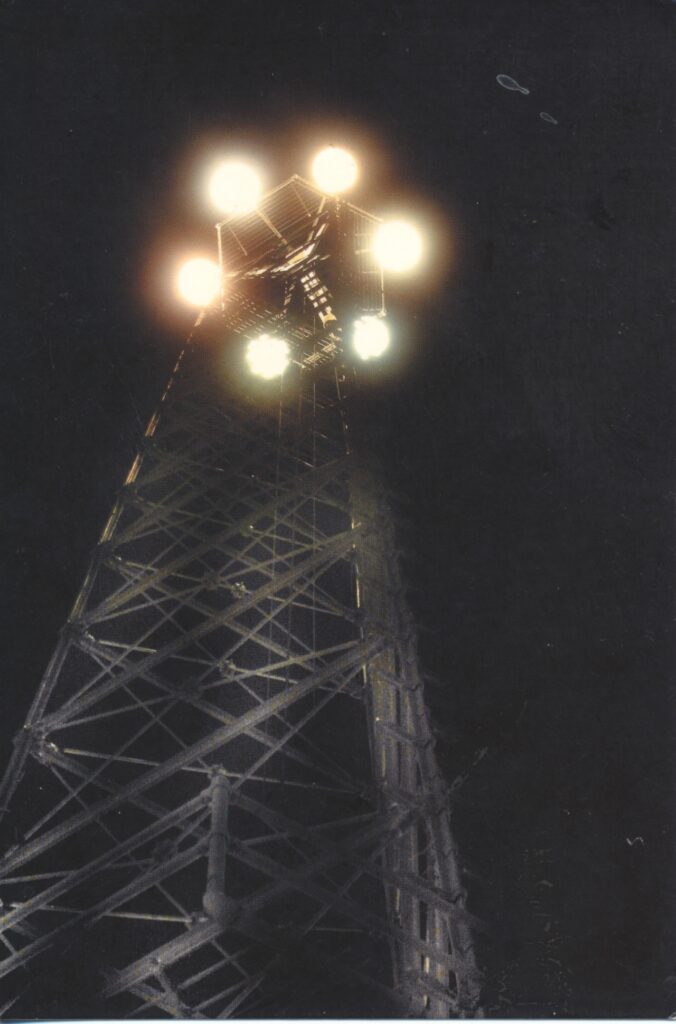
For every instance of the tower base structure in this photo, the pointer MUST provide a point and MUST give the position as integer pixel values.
(225, 797)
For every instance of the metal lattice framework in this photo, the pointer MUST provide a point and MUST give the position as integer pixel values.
(227, 780)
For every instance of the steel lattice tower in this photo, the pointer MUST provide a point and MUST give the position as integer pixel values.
(226, 791)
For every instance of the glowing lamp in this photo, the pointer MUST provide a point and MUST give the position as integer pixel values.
(397, 246)
(334, 170)
(267, 357)
(235, 187)
(198, 282)
(371, 337)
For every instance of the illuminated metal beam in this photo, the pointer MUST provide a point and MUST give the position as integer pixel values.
(352, 661)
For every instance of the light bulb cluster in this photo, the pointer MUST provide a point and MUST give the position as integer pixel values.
(268, 357)
(235, 188)
(370, 337)
(334, 170)
(198, 282)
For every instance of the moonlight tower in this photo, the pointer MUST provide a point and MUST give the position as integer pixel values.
(225, 800)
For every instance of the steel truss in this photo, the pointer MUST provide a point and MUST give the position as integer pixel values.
(227, 780)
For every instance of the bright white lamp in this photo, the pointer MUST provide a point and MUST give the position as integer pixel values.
(397, 246)
(334, 170)
(198, 282)
(267, 357)
(371, 337)
(234, 187)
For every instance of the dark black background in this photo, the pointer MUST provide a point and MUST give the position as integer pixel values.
(528, 431)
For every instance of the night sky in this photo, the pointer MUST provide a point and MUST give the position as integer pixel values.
(526, 435)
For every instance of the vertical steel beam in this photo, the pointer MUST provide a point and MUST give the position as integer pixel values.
(214, 899)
